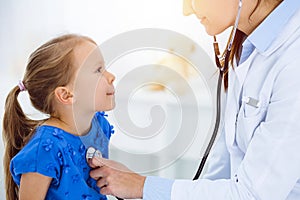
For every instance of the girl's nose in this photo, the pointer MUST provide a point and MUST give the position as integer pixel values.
(187, 7)
(109, 76)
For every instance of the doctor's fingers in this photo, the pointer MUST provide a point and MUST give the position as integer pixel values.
(102, 182)
(109, 180)
(121, 184)
(105, 186)
(100, 172)
(96, 162)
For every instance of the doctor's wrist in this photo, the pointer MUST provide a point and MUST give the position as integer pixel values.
(141, 183)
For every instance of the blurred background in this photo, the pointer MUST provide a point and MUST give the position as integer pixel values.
(26, 24)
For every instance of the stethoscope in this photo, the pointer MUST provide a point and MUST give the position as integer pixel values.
(222, 64)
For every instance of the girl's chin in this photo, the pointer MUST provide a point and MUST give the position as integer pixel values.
(107, 108)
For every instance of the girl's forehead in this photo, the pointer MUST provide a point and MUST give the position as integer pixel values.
(86, 54)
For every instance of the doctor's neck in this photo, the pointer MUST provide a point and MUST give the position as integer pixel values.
(254, 12)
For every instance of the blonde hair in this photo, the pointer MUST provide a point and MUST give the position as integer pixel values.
(48, 67)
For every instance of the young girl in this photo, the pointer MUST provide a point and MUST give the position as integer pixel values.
(46, 159)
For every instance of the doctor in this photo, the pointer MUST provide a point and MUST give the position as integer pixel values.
(257, 155)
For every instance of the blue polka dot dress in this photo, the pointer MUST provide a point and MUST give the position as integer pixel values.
(60, 155)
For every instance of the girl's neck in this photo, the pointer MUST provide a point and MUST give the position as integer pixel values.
(78, 124)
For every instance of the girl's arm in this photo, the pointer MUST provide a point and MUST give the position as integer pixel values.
(34, 186)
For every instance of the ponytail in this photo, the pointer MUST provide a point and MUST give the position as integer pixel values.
(17, 130)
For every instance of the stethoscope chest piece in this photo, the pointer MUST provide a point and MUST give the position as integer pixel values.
(92, 152)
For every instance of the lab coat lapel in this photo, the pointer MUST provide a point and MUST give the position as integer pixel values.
(231, 110)
(241, 72)
(237, 77)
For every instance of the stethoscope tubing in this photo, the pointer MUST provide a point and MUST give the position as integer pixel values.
(216, 127)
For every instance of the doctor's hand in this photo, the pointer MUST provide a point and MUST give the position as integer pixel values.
(116, 179)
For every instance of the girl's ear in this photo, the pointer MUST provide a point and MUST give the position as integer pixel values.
(63, 95)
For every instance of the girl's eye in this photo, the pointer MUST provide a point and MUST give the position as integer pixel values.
(99, 70)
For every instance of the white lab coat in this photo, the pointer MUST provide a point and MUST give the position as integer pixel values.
(258, 153)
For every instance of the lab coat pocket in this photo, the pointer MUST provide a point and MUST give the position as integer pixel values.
(250, 115)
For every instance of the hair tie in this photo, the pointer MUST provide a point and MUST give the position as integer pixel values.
(21, 86)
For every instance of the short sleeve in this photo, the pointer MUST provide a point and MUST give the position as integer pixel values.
(40, 155)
